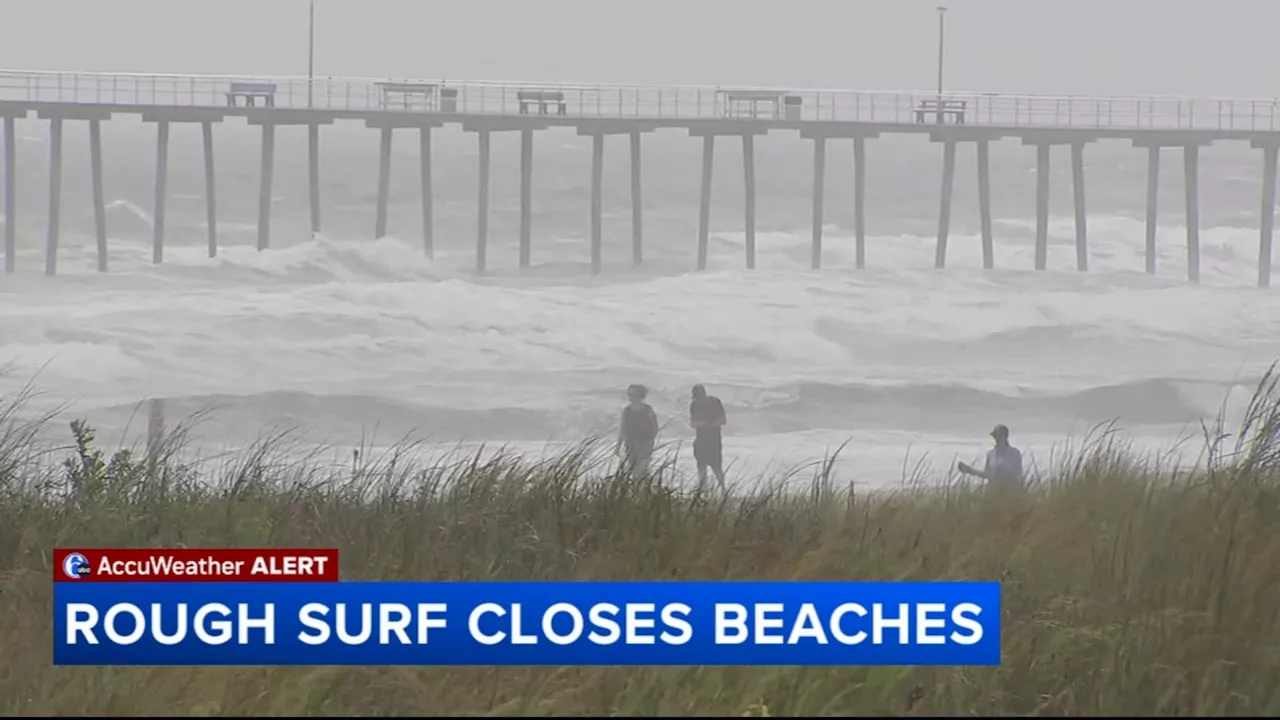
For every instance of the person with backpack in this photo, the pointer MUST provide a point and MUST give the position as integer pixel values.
(637, 432)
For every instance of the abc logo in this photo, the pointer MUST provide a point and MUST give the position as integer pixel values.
(75, 566)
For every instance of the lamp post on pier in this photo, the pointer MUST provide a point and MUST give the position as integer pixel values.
(311, 54)
(942, 43)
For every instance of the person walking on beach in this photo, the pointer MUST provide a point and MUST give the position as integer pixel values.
(1004, 462)
(637, 432)
(706, 415)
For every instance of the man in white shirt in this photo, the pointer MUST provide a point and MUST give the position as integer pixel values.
(1004, 462)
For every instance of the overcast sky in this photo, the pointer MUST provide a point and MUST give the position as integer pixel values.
(1168, 47)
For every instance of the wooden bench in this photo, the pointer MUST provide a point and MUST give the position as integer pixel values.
(747, 103)
(942, 109)
(251, 90)
(541, 98)
(407, 92)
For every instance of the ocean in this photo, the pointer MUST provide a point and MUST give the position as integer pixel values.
(360, 341)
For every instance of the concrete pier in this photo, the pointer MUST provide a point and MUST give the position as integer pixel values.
(210, 188)
(1266, 238)
(162, 190)
(482, 219)
(1077, 188)
(265, 182)
(704, 208)
(526, 197)
(749, 190)
(984, 204)
(1042, 205)
(1191, 171)
(637, 206)
(99, 193)
(944, 211)
(819, 194)
(55, 196)
(707, 113)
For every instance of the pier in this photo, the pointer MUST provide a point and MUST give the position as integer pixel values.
(825, 117)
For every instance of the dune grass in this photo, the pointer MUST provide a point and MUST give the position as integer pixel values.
(1128, 588)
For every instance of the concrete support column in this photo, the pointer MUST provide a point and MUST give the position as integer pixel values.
(162, 190)
(264, 189)
(859, 200)
(99, 194)
(1266, 239)
(526, 197)
(384, 183)
(749, 188)
(819, 195)
(1191, 170)
(637, 217)
(1077, 185)
(597, 211)
(210, 189)
(55, 196)
(10, 195)
(704, 214)
(944, 212)
(1153, 198)
(482, 219)
(1042, 206)
(984, 204)
(313, 173)
(428, 194)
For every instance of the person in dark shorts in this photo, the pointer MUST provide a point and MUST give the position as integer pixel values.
(706, 415)
(637, 432)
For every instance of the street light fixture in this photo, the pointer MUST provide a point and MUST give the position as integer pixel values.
(942, 25)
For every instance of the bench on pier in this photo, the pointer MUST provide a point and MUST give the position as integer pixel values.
(408, 92)
(543, 99)
(941, 110)
(251, 90)
(751, 103)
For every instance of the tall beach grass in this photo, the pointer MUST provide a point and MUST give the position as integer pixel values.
(1130, 586)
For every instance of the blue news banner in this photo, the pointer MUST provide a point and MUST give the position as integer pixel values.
(527, 623)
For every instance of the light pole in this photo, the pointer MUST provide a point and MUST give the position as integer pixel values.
(942, 40)
(311, 55)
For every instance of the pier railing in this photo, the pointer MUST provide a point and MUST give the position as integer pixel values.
(654, 102)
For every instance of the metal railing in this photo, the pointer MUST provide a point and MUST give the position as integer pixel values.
(654, 102)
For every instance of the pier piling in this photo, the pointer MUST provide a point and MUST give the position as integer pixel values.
(704, 209)
(10, 194)
(1042, 205)
(1077, 186)
(749, 190)
(1191, 170)
(637, 208)
(859, 200)
(1153, 199)
(384, 182)
(99, 194)
(428, 193)
(526, 197)
(482, 219)
(1266, 237)
(162, 190)
(55, 196)
(944, 212)
(597, 191)
(313, 175)
(984, 204)
(264, 191)
(210, 188)
(819, 195)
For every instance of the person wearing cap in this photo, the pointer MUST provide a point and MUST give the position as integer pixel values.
(1004, 461)
(637, 432)
(706, 415)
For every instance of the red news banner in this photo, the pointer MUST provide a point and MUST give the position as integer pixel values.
(195, 565)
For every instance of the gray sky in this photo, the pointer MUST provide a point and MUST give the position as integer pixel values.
(1169, 47)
